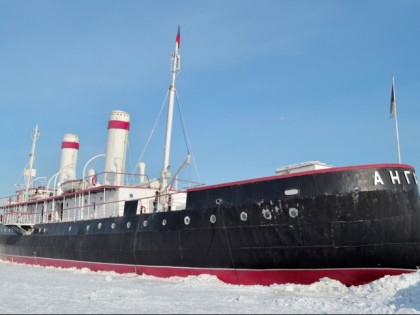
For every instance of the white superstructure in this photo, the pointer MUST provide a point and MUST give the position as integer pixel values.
(302, 167)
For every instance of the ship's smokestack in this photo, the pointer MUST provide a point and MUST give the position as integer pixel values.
(118, 126)
(69, 151)
(142, 168)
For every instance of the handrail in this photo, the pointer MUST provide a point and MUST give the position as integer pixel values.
(45, 210)
(84, 168)
(186, 184)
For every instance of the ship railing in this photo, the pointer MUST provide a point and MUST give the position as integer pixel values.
(130, 179)
(99, 210)
(20, 218)
(171, 201)
(113, 178)
(32, 193)
(4, 201)
(51, 210)
(182, 184)
(91, 211)
(96, 180)
(44, 205)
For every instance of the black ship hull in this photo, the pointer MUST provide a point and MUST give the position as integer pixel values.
(353, 224)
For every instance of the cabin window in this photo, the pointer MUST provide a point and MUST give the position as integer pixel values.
(164, 222)
(99, 225)
(187, 220)
(113, 226)
(128, 225)
(87, 227)
(244, 216)
(145, 223)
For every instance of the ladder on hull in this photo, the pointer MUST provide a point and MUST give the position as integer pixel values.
(21, 229)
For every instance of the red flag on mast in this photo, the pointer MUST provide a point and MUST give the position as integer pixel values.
(178, 38)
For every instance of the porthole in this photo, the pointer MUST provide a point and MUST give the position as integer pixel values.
(187, 220)
(164, 222)
(113, 226)
(87, 227)
(244, 216)
(131, 195)
(45, 230)
(145, 223)
(213, 219)
(293, 212)
(267, 214)
(99, 225)
(128, 225)
(69, 228)
(219, 201)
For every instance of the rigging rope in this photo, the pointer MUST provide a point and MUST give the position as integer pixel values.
(153, 130)
(186, 138)
(182, 122)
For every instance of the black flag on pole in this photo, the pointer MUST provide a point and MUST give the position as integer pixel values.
(392, 110)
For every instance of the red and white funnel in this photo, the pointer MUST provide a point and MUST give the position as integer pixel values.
(118, 126)
(69, 151)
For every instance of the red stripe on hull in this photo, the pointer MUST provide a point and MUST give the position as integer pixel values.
(118, 124)
(356, 276)
(279, 276)
(48, 262)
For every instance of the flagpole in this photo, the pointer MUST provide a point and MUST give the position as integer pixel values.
(394, 114)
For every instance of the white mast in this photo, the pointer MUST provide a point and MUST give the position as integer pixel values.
(30, 172)
(165, 173)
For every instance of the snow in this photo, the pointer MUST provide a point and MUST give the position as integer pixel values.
(34, 289)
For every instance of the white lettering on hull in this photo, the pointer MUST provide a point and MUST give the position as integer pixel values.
(395, 178)
(378, 179)
(406, 173)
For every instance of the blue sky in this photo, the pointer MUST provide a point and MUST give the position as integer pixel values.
(263, 84)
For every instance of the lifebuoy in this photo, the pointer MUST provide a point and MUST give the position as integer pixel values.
(94, 180)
